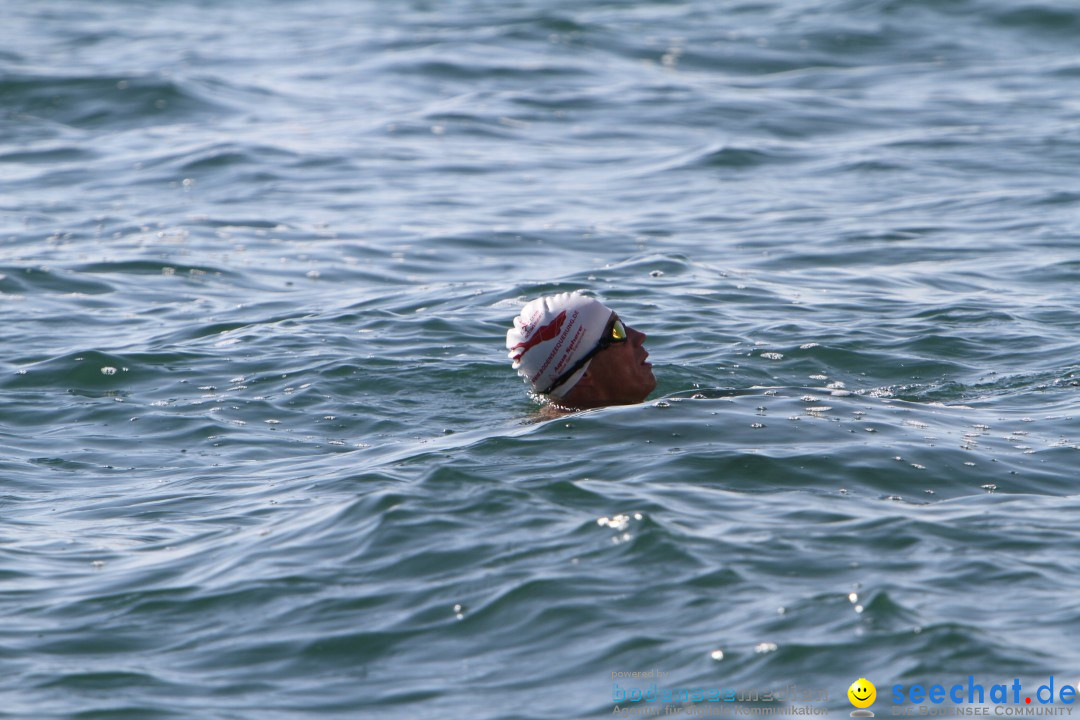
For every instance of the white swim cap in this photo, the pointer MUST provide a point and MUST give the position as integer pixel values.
(551, 334)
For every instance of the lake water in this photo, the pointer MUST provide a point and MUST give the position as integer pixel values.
(263, 456)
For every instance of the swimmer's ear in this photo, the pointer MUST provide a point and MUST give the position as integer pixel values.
(582, 389)
(586, 379)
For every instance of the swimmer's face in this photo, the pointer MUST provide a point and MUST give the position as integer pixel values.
(620, 374)
(862, 693)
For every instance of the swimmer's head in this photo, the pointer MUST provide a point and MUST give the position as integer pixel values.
(576, 350)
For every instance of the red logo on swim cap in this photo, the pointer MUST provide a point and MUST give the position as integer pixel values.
(546, 332)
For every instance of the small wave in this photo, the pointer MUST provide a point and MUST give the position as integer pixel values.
(477, 69)
(30, 280)
(91, 370)
(227, 155)
(1040, 18)
(735, 157)
(102, 681)
(727, 157)
(95, 102)
(48, 155)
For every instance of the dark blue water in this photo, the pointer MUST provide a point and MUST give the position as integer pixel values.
(262, 454)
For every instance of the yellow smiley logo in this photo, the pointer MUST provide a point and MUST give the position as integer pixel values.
(862, 693)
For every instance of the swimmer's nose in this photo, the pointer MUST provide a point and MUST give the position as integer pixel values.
(637, 336)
